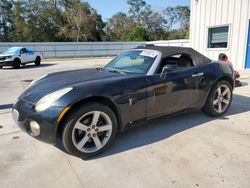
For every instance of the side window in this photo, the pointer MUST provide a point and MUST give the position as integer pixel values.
(182, 62)
(23, 51)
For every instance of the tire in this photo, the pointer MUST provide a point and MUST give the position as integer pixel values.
(38, 61)
(219, 99)
(16, 64)
(81, 132)
(1, 67)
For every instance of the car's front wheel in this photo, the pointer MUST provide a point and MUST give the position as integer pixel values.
(16, 64)
(89, 130)
(219, 99)
(38, 61)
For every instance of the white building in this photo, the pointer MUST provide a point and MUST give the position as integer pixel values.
(222, 26)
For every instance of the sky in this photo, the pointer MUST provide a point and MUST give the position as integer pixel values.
(107, 8)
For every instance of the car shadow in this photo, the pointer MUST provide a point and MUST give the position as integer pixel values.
(30, 66)
(163, 128)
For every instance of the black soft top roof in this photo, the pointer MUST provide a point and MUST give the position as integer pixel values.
(198, 58)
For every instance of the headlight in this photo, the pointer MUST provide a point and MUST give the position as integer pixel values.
(36, 80)
(49, 99)
(8, 57)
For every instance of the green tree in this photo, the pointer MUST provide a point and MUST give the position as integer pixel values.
(76, 20)
(179, 19)
(119, 26)
(136, 9)
(143, 15)
(49, 20)
(43, 21)
(20, 30)
(138, 34)
(156, 25)
(82, 22)
(6, 20)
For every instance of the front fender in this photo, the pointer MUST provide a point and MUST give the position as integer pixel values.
(217, 71)
(84, 99)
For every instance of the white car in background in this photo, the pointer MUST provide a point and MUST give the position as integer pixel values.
(17, 56)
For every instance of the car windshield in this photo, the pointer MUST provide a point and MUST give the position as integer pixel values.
(11, 51)
(134, 61)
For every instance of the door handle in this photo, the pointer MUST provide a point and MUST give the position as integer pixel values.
(198, 74)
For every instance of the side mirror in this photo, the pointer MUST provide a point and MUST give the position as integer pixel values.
(169, 68)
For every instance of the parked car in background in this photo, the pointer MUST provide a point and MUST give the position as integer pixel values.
(17, 56)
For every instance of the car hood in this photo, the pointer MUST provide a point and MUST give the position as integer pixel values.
(4, 55)
(60, 80)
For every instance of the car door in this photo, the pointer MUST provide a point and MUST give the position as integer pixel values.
(174, 91)
(132, 100)
(24, 56)
(30, 55)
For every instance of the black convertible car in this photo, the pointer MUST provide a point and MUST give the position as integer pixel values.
(86, 108)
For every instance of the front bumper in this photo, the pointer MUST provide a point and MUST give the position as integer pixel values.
(6, 63)
(24, 112)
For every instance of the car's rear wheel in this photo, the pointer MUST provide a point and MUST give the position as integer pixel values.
(89, 130)
(38, 61)
(16, 64)
(219, 99)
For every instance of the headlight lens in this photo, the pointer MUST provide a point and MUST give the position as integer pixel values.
(49, 99)
(36, 80)
(8, 57)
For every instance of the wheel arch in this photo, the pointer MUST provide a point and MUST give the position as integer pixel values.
(99, 99)
(207, 104)
(226, 78)
(223, 77)
(17, 58)
(16, 62)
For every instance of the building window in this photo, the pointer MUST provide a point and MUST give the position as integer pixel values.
(218, 37)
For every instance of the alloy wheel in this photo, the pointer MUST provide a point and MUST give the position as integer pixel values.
(222, 99)
(92, 131)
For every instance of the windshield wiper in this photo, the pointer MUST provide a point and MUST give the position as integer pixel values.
(100, 68)
(116, 71)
